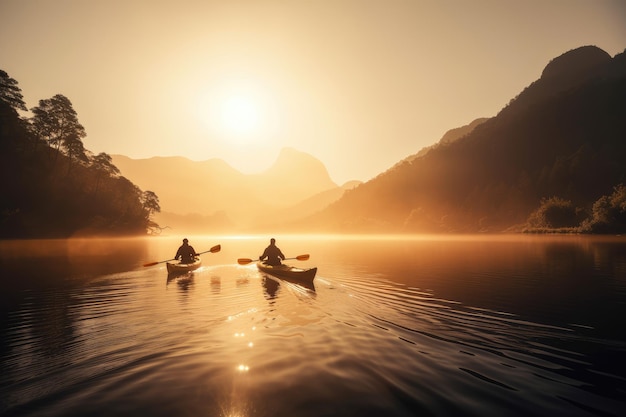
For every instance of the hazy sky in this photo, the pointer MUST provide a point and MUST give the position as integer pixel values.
(358, 84)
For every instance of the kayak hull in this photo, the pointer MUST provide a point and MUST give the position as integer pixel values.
(180, 268)
(288, 272)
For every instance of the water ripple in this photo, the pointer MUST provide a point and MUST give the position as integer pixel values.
(227, 340)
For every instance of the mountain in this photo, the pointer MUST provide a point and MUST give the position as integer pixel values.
(212, 195)
(293, 177)
(563, 136)
(184, 186)
(449, 137)
(283, 219)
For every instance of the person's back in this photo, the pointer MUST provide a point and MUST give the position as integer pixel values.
(186, 253)
(273, 254)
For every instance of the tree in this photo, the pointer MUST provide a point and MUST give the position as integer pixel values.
(75, 150)
(13, 129)
(609, 213)
(150, 203)
(56, 121)
(10, 93)
(103, 164)
(555, 213)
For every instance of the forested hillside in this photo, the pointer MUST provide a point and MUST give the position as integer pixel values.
(50, 185)
(554, 157)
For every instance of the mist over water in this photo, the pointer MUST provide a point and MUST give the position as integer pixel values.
(393, 326)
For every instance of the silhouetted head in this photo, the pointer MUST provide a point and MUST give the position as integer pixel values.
(272, 241)
(185, 240)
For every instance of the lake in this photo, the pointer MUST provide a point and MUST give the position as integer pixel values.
(496, 325)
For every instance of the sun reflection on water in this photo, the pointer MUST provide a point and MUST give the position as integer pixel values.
(242, 367)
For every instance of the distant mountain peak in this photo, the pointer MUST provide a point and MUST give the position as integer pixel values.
(289, 154)
(564, 73)
(290, 159)
(576, 64)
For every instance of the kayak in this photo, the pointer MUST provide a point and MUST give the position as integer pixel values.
(288, 272)
(180, 268)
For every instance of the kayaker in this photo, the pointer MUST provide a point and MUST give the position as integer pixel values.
(273, 254)
(186, 252)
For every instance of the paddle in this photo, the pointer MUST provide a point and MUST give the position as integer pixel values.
(245, 261)
(214, 249)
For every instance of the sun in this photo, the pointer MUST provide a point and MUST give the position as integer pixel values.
(237, 113)
(240, 115)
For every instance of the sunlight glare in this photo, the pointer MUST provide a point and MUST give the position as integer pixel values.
(237, 112)
(240, 114)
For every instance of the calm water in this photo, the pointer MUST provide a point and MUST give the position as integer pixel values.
(427, 326)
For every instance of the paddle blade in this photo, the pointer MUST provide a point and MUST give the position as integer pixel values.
(304, 257)
(150, 264)
(244, 261)
(216, 248)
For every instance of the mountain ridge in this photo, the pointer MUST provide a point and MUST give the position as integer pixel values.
(214, 194)
(558, 137)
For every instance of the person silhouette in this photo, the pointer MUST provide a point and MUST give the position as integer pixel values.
(273, 254)
(186, 253)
